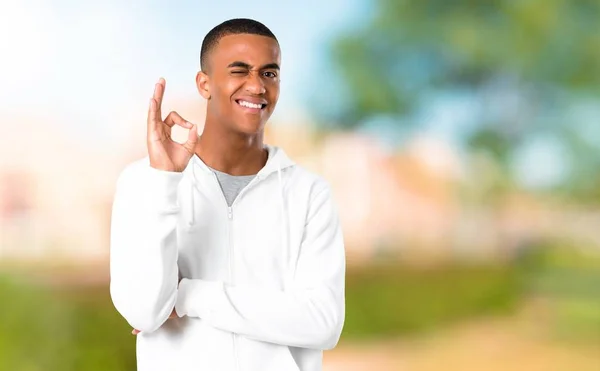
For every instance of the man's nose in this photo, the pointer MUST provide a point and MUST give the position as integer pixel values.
(255, 84)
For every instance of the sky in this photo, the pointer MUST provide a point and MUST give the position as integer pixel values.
(87, 62)
(90, 66)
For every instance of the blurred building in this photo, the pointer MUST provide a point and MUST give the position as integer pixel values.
(56, 195)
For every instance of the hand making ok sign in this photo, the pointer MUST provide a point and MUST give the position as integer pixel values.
(165, 153)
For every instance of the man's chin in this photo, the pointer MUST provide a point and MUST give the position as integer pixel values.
(250, 129)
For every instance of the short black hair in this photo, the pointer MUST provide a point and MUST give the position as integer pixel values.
(231, 27)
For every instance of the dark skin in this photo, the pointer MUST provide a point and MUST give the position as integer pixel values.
(241, 85)
(241, 68)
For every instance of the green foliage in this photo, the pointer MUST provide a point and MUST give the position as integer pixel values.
(533, 39)
(393, 300)
(78, 328)
(75, 330)
(492, 141)
(412, 46)
(568, 278)
(524, 63)
(30, 326)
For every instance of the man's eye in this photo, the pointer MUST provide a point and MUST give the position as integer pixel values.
(238, 72)
(270, 74)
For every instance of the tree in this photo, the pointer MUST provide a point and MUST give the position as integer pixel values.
(542, 54)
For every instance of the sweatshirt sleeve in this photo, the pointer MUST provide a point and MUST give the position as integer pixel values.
(143, 245)
(310, 314)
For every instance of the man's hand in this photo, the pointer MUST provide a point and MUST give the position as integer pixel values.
(164, 152)
(172, 315)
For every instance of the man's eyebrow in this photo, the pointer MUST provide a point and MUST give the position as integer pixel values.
(239, 64)
(245, 65)
(270, 66)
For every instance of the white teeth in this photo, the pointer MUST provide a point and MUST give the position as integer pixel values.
(249, 105)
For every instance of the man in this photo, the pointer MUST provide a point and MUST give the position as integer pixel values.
(225, 255)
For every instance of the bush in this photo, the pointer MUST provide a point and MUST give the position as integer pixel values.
(69, 330)
(568, 279)
(77, 328)
(392, 300)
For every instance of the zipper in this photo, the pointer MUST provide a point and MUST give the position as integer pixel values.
(232, 254)
(231, 275)
(231, 247)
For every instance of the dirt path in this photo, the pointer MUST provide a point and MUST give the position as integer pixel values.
(491, 345)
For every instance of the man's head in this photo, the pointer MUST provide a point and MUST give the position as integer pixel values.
(240, 61)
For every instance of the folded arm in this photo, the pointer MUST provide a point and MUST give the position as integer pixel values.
(143, 246)
(309, 314)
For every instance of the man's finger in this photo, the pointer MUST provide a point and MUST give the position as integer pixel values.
(190, 144)
(135, 331)
(175, 118)
(154, 115)
(159, 92)
(154, 125)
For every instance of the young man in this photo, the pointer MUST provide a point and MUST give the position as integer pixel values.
(225, 255)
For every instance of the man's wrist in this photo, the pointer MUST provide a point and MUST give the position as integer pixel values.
(195, 296)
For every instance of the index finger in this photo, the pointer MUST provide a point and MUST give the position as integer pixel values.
(154, 114)
(159, 92)
(154, 126)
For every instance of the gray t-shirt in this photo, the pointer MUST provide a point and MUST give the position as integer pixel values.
(232, 185)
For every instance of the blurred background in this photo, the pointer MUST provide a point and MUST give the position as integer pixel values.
(461, 139)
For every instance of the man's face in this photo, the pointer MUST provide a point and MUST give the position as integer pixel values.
(243, 81)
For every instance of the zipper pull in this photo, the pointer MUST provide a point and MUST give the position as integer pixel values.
(229, 212)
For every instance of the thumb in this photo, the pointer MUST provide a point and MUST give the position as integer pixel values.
(190, 145)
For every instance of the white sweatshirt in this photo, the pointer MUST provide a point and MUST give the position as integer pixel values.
(256, 286)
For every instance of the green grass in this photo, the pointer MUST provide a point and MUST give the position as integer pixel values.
(388, 301)
(568, 278)
(78, 329)
(70, 330)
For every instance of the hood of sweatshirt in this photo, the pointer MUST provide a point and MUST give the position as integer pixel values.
(277, 162)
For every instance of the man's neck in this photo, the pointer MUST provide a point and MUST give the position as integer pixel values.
(232, 153)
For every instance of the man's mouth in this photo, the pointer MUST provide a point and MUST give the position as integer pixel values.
(247, 104)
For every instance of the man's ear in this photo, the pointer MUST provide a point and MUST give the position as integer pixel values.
(203, 85)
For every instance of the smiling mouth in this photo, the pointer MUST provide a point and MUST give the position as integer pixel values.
(247, 104)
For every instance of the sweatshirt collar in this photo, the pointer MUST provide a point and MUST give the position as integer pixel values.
(277, 160)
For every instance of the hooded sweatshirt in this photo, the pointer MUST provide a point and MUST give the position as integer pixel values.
(258, 285)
